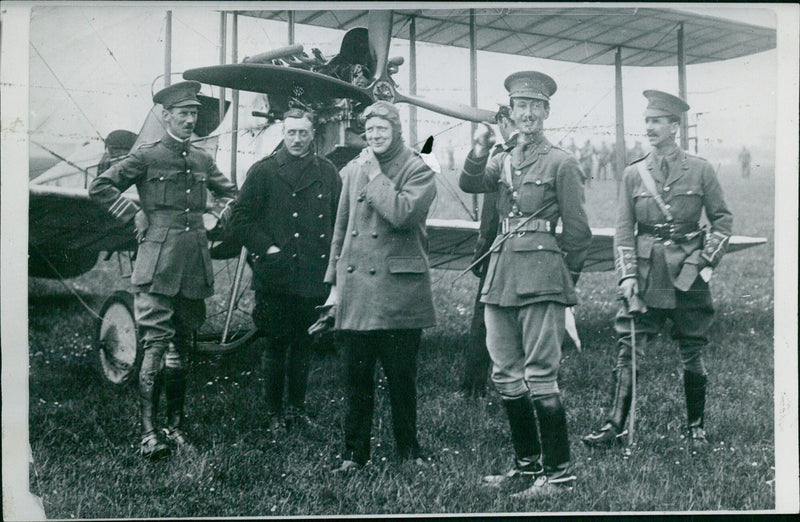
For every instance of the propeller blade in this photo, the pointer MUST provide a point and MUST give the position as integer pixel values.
(277, 80)
(379, 26)
(456, 110)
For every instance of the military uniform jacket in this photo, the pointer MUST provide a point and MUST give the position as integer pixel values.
(172, 179)
(660, 264)
(289, 203)
(379, 254)
(533, 267)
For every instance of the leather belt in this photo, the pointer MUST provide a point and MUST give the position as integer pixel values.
(176, 218)
(533, 225)
(670, 231)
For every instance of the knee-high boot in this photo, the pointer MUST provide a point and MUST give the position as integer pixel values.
(524, 434)
(175, 391)
(694, 385)
(620, 407)
(555, 438)
(150, 383)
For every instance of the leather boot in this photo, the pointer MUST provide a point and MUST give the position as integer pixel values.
(175, 385)
(273, 363)
(525, 437)
(694, 385)
(151, 446)
(614, 426)
(553, 426)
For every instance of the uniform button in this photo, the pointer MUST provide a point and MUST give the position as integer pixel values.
(294, 194)
(183, 153)
(188, 191)
(187, 210)
(374, 234)
(517, 172)
(188, 171)
(688, 191)
(187, 229)
(294, 214)
(294, 256)
(351, 268)
(319, 196)
(322, 236)
(321, 216)
(161, 178)
(323, 256)
(372, 271)
(668, 206)
(540, 247)
(355, 233)
(666, 189)
(297, 234)
(538, 182)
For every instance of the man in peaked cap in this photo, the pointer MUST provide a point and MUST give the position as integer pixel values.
(118, 144)
(173, 272)
(663, 257)
(530, 279)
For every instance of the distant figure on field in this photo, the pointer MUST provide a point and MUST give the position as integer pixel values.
(604, 162)
(587, 161)
(663, 257)
(744, 161)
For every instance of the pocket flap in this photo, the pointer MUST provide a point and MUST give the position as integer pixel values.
(156, 234)
(407, 265)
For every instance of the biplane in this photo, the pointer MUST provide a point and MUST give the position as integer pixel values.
(68, 232)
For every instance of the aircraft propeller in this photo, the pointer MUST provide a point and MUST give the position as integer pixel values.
(254, 75)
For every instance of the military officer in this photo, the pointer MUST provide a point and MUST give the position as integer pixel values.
(530, 279)
(173, 272)
(284, 216)
(476, 366)
(659, 251)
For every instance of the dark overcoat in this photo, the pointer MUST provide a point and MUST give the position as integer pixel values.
(289, 203)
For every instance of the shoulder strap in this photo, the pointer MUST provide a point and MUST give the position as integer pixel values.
(506, 173)
(650, 185)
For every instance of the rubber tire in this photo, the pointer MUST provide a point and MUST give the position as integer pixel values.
(118, 353)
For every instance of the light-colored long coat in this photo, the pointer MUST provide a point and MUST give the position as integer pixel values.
(379, 258)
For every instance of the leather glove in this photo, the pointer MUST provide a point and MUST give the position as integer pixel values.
(629, 288)
(140, 224)
(327, 319)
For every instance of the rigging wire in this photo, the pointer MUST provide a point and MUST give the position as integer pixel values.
(66, 91)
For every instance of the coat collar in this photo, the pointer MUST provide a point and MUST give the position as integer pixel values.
(543, 146)
(674, 174)
(176, 145)
(307, 174)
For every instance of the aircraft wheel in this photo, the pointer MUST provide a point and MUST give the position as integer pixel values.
(116, 340)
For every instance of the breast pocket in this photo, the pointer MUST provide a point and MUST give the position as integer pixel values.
(532, 194)
(687, 203)
(646, 208)
(155, 187)
(148, 254)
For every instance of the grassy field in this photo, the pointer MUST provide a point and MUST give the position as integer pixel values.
(84, 433)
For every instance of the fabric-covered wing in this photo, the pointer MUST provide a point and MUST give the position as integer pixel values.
(452, 243)
(65, 219)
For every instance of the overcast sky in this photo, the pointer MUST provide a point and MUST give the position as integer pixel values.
(92, 70)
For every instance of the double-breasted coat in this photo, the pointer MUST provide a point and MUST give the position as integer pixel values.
(172, 178)
(379, 253)
(532, 267)
(289, 203)
(662, 264)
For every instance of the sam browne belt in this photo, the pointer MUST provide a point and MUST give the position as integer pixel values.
(533, 225)
(670, 231)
